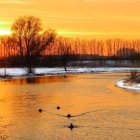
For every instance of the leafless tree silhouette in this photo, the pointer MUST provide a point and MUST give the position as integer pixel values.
(29, 41)
(64, 49)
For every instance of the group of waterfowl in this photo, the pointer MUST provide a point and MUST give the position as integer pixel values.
(71, 126)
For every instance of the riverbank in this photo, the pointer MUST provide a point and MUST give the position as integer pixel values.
(22, 72)
(127, 85)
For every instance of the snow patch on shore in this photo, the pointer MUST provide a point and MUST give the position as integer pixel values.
(22, 72)
(70, 70)
(122, 84)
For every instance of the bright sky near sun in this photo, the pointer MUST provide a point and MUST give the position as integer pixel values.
(77, 18)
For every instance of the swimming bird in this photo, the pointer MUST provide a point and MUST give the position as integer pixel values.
(69, 115)
(58, 107)
(40, 110)
(71, 126)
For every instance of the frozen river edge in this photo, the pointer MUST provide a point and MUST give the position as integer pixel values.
(122, 84)
(22, 73)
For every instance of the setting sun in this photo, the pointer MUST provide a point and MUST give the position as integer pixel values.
(4, 32)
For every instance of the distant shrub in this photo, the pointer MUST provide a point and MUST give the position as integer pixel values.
(134, 76)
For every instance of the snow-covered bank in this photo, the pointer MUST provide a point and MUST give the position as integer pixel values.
(58, 71)
(123, 84)
(22, 72)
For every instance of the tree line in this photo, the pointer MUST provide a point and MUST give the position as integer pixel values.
(29, 45)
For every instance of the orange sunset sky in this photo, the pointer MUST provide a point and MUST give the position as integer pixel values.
(77, 18)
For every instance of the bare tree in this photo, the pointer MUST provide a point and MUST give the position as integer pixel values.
(64, 49)
(4, 44)
(29, 41)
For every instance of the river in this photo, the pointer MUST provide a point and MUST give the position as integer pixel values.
(103, 110)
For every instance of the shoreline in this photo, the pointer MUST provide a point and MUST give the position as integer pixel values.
(19, 73)
(131, 86)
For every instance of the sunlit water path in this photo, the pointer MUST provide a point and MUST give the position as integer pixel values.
(114, 113)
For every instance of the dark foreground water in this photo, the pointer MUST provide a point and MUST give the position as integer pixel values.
(113, 113)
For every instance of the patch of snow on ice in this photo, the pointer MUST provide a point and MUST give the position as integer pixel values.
(70, 70)
(120, 83)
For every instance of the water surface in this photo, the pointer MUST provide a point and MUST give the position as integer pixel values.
(114, 112)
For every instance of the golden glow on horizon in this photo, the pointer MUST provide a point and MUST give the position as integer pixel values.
(77, 18)
(90, 33)
(4, 32)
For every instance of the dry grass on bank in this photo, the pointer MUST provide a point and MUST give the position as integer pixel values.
(133, 77)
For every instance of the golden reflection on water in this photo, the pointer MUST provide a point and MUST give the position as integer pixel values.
(36, 80)
(21, 98)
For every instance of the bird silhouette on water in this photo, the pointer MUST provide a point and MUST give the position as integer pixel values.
(70, 116)
(71, 126)
(58, 107)
(40, 110)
